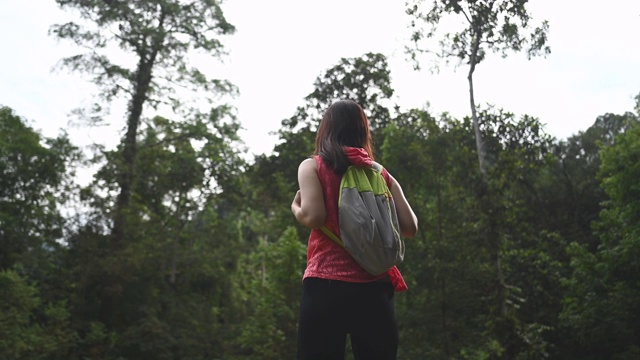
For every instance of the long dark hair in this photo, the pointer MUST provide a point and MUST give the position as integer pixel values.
(343, 124)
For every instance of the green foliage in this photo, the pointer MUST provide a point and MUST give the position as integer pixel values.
(162, 294)
(267, 284)
(517, 151)
(35, 187)
(427, 155)
(29, 328)
(571, 189)
(364, 79)
(601, 306)
(34, 173)
(450, 266)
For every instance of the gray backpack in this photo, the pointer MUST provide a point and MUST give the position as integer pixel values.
(369, 229)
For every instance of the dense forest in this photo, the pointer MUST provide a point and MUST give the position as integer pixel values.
(182, 248)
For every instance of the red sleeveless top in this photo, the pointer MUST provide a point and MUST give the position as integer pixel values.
(325, 258)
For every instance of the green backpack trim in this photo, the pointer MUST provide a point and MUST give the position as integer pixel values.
(330, 234)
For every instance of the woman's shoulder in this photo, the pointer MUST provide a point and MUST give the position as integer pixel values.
(308, 164)
(310, 161)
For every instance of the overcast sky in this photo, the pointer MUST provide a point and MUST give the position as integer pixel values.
(281, 46)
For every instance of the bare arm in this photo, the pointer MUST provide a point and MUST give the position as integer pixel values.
(308, 203)
(406, 217)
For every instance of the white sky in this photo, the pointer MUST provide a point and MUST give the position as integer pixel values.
(281, 46)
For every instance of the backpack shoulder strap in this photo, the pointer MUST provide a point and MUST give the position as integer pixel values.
(331, 235)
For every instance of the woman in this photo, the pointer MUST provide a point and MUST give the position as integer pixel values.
(338, 296)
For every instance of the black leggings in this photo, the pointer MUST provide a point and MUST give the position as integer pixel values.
(329, 310)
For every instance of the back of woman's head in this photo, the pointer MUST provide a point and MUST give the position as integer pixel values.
(343, 124)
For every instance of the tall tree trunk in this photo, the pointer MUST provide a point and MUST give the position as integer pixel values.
(130, 151)
(486, 198)
(474, 114)
(142, 82)
(126, 175)
(111, 298)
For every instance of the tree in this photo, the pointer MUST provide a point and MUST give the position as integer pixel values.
(365, 79)
(132, 259)
(451, 309)
(601, 308)
(430, 158)
(492, 25)
(266, 290)
(35, 172)
(570, 196)
(29, 327)
(158, 35)
(163, 293)
(519, 150)
(35, 186)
